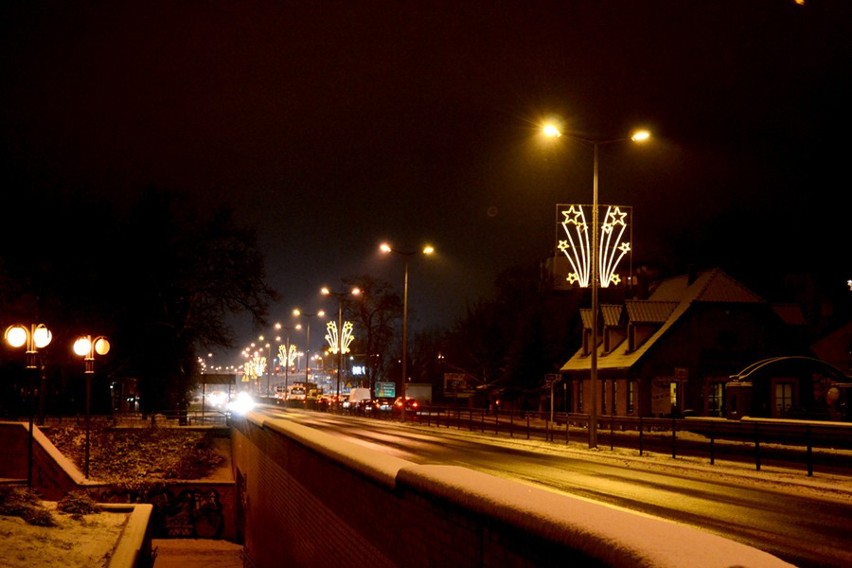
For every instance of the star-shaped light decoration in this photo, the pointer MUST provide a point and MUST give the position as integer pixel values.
(575, 243)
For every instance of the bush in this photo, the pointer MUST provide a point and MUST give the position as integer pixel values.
(24, 503)
(77, 503)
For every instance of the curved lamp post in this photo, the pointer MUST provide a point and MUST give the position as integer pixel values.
(341, 296)
(33, 337)
(299, 313)
(406, 254)
(87, 347)
(553, 131)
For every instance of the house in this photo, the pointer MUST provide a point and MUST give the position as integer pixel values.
(674, 353)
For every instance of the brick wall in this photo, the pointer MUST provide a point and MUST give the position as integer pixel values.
(310, 499)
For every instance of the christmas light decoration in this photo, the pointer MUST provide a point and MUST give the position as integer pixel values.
(345, 340)
(576, 245)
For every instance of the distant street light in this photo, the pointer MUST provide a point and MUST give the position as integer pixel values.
(268, 346)
(286, 356)
(553, 131)
(34, 337)
(386, 249)
(87, 347)
(341, 296)
(298, 313)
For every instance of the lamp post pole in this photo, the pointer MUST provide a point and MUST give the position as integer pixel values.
(593, 365)
(552, 130)
(341, 296)
(86, 347)
(427, 250)
(34, 337)
(297, 313)
(286, 358)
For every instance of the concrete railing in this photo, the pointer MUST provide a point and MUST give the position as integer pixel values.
(311, 499)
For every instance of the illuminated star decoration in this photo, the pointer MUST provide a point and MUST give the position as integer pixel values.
(282, 354)
(576, 246)
(345, 339)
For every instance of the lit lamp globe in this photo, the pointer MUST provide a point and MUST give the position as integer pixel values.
(85, 346)
(17, 336)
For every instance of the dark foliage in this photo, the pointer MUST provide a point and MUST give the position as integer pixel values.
(158, 274)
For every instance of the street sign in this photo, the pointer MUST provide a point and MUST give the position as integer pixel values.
(385, 389)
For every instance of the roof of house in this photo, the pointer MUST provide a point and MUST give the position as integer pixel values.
(666, 305)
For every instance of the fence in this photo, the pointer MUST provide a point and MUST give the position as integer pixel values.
(791, 443)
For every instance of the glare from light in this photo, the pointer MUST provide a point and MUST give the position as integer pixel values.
(16, 336)
(242, 404)
(41, 336)
(82, 346)
(551, 130)
(640, 136)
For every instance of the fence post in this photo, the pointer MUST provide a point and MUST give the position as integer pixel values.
(712, 445)
(810, 451)
(674, 434)
(757, 446)
(640, 435)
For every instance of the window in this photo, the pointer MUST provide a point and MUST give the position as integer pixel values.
(603, 397)
(580, 396)
(673, 395)
(631, 394)
(716, 400)
(783, 398)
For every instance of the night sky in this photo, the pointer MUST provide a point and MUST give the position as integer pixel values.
(331, 126)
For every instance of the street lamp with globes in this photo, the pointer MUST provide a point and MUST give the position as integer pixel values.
(552, 130)
(33, 337)
(87, 347)
(341, 296)
(427, 250)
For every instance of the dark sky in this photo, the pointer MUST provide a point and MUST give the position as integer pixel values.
(332, 126)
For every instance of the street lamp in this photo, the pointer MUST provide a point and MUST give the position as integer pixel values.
(298, 313)
(286, 355)
(553, 131)
(34, 337)
(341, 296)
(386, 249)
(268, 346)
(86, 347)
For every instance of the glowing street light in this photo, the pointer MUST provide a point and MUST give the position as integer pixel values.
(87, 347)
(553, 131)
(427, 250)
(298, 313)
(287, 352)
(33, 337)
(339, 347)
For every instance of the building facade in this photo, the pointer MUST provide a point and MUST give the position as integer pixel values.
(674, 353)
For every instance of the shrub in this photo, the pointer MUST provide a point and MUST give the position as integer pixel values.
(77, 503)
(24, 503)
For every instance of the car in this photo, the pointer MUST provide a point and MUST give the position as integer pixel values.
(412, 405)
(383, 403)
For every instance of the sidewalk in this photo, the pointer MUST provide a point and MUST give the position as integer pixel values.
(196, 553)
